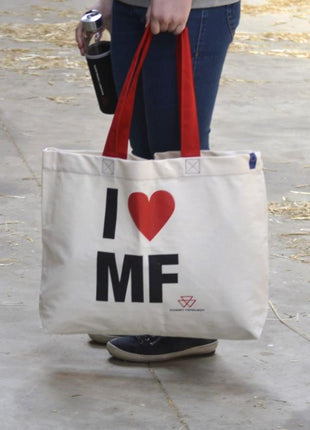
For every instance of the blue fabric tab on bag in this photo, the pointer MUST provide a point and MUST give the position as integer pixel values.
(253, 160)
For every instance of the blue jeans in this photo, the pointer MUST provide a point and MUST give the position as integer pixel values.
(155, 126)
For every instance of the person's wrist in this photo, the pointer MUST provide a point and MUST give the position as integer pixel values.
(104, 6)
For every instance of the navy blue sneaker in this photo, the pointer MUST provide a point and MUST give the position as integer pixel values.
(145, 349)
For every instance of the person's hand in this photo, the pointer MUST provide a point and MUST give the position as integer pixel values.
(168, 15)
(105, 7)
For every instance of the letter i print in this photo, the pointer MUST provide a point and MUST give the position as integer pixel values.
(110, 214)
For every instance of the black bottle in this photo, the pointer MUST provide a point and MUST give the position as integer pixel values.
(98, 55)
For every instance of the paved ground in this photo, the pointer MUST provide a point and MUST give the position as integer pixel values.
(66, 382)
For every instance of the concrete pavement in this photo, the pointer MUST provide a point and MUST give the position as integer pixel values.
(67, 382)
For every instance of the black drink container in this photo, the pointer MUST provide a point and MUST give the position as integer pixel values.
(98, 55)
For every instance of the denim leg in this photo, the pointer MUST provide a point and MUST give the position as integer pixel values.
(128, 25)
(155, 126)
(211, 32)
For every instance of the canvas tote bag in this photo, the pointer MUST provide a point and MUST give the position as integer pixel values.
(173, 246)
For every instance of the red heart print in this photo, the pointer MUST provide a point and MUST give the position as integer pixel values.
(151, 215)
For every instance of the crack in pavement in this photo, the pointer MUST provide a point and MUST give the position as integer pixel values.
(169, 400)
(20, 153)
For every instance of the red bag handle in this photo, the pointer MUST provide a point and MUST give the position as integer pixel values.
(117, 140)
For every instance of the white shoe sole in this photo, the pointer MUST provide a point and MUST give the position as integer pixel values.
(207, 349)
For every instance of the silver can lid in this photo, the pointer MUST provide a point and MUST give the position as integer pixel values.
(92, 21)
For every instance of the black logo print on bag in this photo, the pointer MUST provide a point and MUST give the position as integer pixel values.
(149, 216)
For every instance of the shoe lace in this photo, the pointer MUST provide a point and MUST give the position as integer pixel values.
(148, 340)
